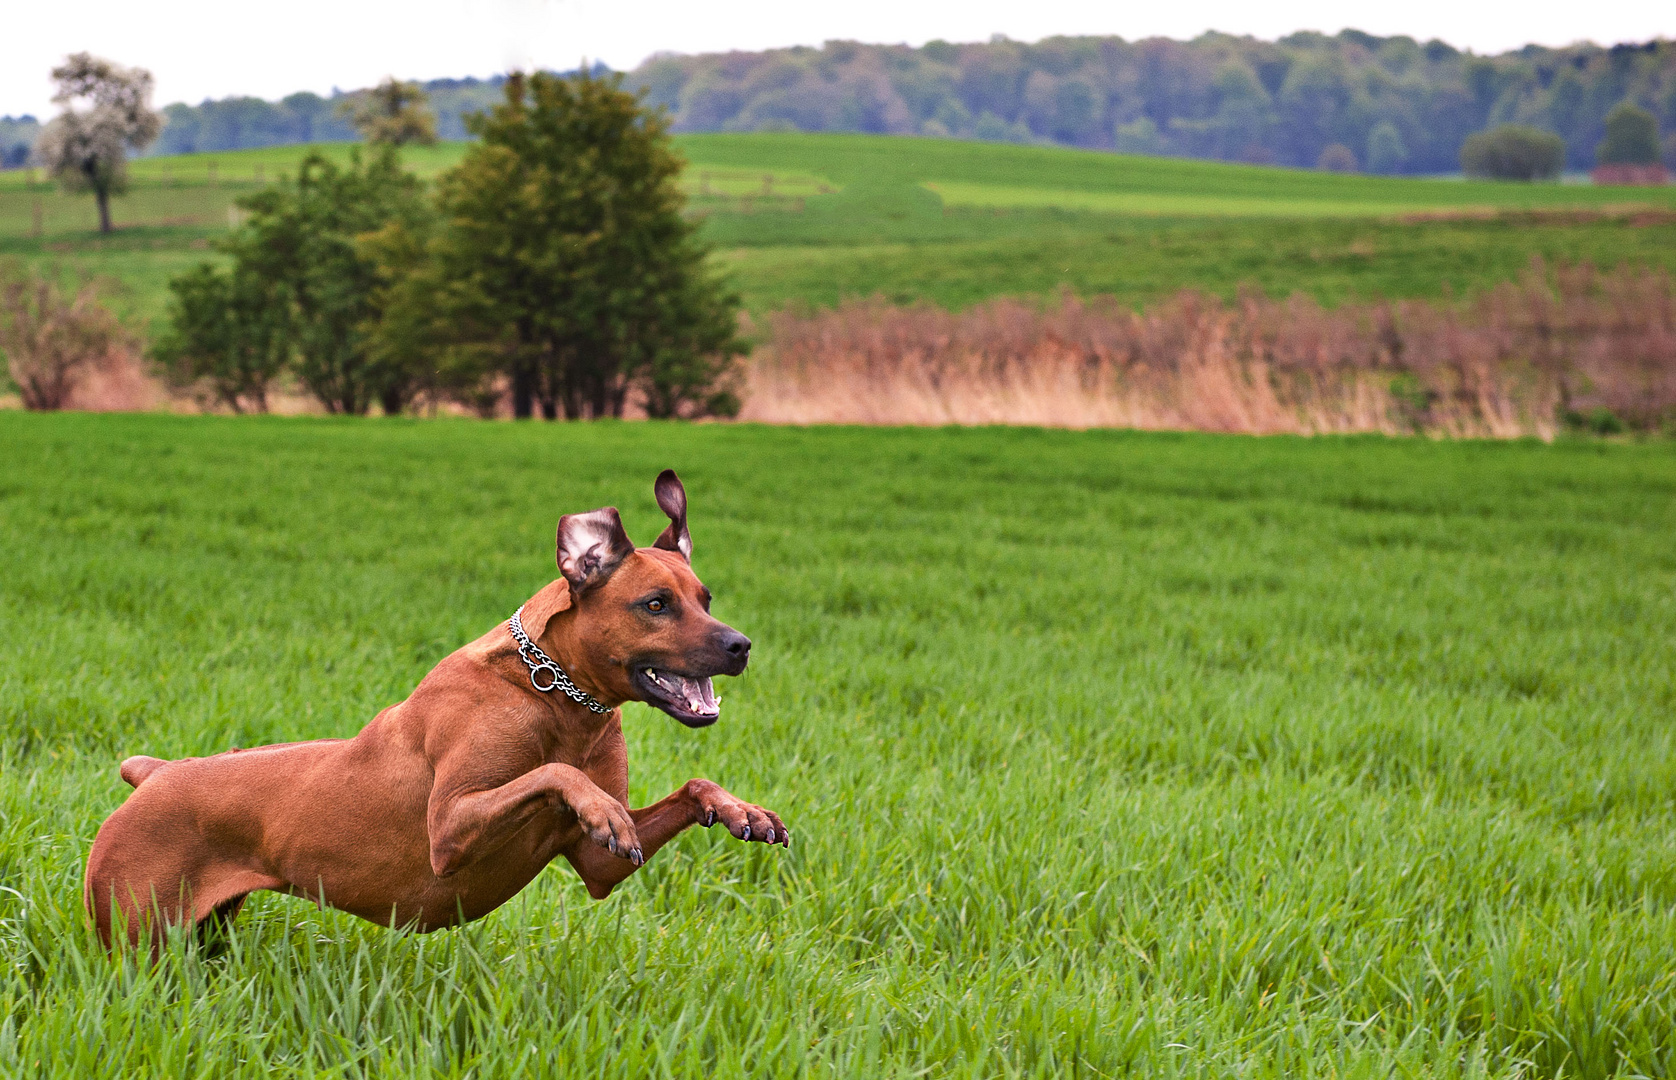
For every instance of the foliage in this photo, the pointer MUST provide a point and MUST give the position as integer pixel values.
(87, 149)
(17, 139)
(1632, 137)
(393, 112)
(1513, 152)
(1105, 753)
(229, 331)
(1217, 96)
(571, 265)
(302, 241)
(1386, 150)
(1337, 157)
(50, 338)
(237, 123)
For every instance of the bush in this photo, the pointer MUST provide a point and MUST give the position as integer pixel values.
(1632, 137)
(304, 294)
(52, 338)
(1386, 152)
(229, 334)
(1336, 157)
(1513, 152)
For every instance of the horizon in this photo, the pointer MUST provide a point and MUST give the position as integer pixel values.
(372, 40)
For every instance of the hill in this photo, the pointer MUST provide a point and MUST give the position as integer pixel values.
(814, 218)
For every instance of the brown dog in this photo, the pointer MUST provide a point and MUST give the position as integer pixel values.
(447, 804)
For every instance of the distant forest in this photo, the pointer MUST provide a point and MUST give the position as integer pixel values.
(1396, 104)
(1393, 104)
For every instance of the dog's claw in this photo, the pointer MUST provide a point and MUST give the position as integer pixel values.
(711, 820)
(770, 836)
(638, 857)
(747, 835)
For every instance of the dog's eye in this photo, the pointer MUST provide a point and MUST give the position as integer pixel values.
(654, 605)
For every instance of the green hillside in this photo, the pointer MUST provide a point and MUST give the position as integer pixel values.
(815, 218)
(1082, 179)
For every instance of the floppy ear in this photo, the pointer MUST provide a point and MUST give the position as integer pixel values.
(591, 546)
(672, 498)
(552, 599)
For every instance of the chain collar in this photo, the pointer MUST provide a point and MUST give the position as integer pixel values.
(537, 661)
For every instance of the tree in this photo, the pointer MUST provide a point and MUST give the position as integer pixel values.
(229, 331)
(304, 240)
(51, 338)
(1513, 152)
(394, 113)
(567, 261)
(87, 149)
(1386, 152)
(1336, 157)
(1632, 137)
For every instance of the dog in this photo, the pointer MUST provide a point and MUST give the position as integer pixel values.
(508, 754)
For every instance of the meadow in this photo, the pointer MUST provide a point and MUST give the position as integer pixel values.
(816, 219)
(1105, 752)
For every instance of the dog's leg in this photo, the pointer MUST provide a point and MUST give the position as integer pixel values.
(698, 802)
(466, 826)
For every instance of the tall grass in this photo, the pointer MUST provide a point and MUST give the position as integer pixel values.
(1108, 752)
(1572, 345)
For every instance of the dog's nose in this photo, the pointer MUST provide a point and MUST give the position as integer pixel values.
(736, 645)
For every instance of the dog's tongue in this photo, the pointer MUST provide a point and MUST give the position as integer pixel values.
(699, 696)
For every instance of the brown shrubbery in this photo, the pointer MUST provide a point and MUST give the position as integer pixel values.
(57, 341)
(1571, 346)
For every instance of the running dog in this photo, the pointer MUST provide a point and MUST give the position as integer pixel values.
(508, 754)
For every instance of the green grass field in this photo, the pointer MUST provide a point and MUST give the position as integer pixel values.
(813, 219)
(1106, 753)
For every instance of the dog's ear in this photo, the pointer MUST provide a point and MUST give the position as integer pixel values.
(672, 499)
(591, 546)
(541, 608)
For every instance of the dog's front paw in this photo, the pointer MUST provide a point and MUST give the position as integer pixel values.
(746, 821)
(608, 824)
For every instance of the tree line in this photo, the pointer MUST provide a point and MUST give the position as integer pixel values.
(1351, 100)
(1387, 104)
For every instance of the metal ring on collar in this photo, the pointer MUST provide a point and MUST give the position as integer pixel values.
(552, 677)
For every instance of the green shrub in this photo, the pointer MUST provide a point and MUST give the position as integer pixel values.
(1337, 157)
(1513, 152)
(1386, 151)
(1632, 137)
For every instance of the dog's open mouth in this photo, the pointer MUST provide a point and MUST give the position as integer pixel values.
(691, 700)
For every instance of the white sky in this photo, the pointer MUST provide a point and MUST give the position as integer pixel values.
(200, 48)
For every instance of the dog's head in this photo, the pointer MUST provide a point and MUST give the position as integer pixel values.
(645, 614)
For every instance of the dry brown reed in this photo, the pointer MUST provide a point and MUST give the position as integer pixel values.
(1557, 346)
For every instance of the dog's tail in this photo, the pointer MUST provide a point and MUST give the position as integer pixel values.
(137, 768)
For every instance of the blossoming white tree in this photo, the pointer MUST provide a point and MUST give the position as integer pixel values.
(107, 111)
